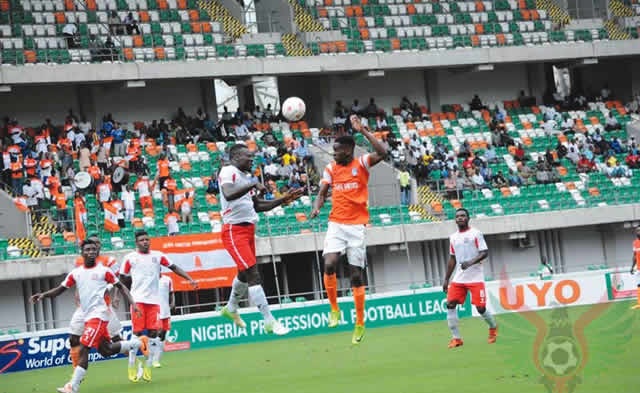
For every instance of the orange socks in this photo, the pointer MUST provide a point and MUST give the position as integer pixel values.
(638, 295)
(358, 300)
(75, 355)
(331, 286)
(144, 345)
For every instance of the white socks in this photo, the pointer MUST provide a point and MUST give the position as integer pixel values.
(159, 351)
(78, 376)
(154, 346)
(132, 356)
(238, 292)
(130, 345)
(452, 321)
(259, 299)
(488, 317)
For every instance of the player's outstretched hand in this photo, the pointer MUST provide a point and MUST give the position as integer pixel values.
(36, 298)
(631, 271)
(465, 265)
(260, 187)
(292, 195)
(356, 124)
(194, 284)
(445, 286)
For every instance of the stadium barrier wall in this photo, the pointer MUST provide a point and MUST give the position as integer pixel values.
(50, 348)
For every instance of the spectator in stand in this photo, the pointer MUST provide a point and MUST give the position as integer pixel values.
(171, 187)
(605, 93)
(478, 180)
(612, 123)
(32, 196)
(17, 176)
(69, 31)
(585, 165)
(372, 108)
(171, 221)
(476, 103)
(131, 24)
(490, 155)
(103, 190)
(60, 200)
(186, 208)
(128, 199)
(548, 156)
(519, 154)
(633, 159)
(499, 180)
(404, 177)
(515, 179)
(115, 24)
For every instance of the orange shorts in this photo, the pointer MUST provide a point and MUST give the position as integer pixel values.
(146, 202)
(95, 331)
(165, 324)
(147, 320)
(457, 292)
(240, 243)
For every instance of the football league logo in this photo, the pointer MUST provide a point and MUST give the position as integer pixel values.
(560, 347)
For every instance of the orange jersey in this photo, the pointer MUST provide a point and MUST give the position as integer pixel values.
(636, 252)
(350, 195)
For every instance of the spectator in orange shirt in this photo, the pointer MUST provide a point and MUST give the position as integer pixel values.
(61, 205)
(163, 170)
(171, 186)
(16, 176)
(171, 220)
(186, 208)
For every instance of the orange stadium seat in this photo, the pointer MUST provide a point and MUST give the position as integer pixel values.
(160, 55)
(182, 4)
(69, 5)
(144, 16)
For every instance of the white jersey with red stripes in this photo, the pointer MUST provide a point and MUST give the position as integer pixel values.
(92, 284)
(144, 270)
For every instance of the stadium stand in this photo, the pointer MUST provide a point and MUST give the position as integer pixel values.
(33, 31)
(535, 164)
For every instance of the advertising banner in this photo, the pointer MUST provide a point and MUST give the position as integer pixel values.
(532, 294)
(206, 330)
(202, 256)
(621, 285)
(42, 351)
(312, 319)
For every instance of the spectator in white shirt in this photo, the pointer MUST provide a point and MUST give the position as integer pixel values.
(128, 198)
(69, 31)
(84, 125)
(612, 123)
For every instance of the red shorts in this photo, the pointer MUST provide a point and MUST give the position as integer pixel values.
(458, 292)
(165, 324)
(240, 243)
(95, 331)
(147, 320)
(146, 202)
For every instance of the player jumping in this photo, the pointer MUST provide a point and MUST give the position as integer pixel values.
(92, 280)
(167, 303)
(143, 267)
(240, 206)
(348, 177)
(468, 249)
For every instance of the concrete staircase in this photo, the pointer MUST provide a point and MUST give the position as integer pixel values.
(304, 20)
(619, 9)
(294, 47)
(615, 31)
(29, 246)
(425, 198)
(556, 13)
(231, 25)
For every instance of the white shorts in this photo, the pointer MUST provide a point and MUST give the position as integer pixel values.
(76, 326)
(349, 239)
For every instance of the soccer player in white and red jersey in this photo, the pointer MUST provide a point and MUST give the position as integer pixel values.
(240, 206)
(167, 303)
(76, 326)
(468, 249)
(348, 178)
(92, 280)
(143, 268)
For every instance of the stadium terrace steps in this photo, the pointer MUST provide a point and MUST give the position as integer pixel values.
(557, 14)
(231, 25)
(304, 20)
(431, 201)
(615, 32)
(294, 47)
(619, 9)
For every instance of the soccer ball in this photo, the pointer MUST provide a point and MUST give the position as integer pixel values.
(293, 108)
(560, 355)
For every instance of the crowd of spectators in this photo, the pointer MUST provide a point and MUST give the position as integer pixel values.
(40, 163)
(465, 169)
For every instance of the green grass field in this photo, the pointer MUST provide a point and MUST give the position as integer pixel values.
(403, 359)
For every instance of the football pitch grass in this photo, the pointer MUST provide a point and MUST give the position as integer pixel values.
(399, 359)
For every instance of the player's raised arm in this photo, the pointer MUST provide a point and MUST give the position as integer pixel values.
(127, 295)
(261, 205)
(232, 191)
(380, 152)
(633, 262)
(50, 293)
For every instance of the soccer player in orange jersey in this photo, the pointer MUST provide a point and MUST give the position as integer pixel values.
(348, 178)
(635, 264)
(468, 249)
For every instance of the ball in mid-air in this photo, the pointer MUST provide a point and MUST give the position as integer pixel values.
(293, 108)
